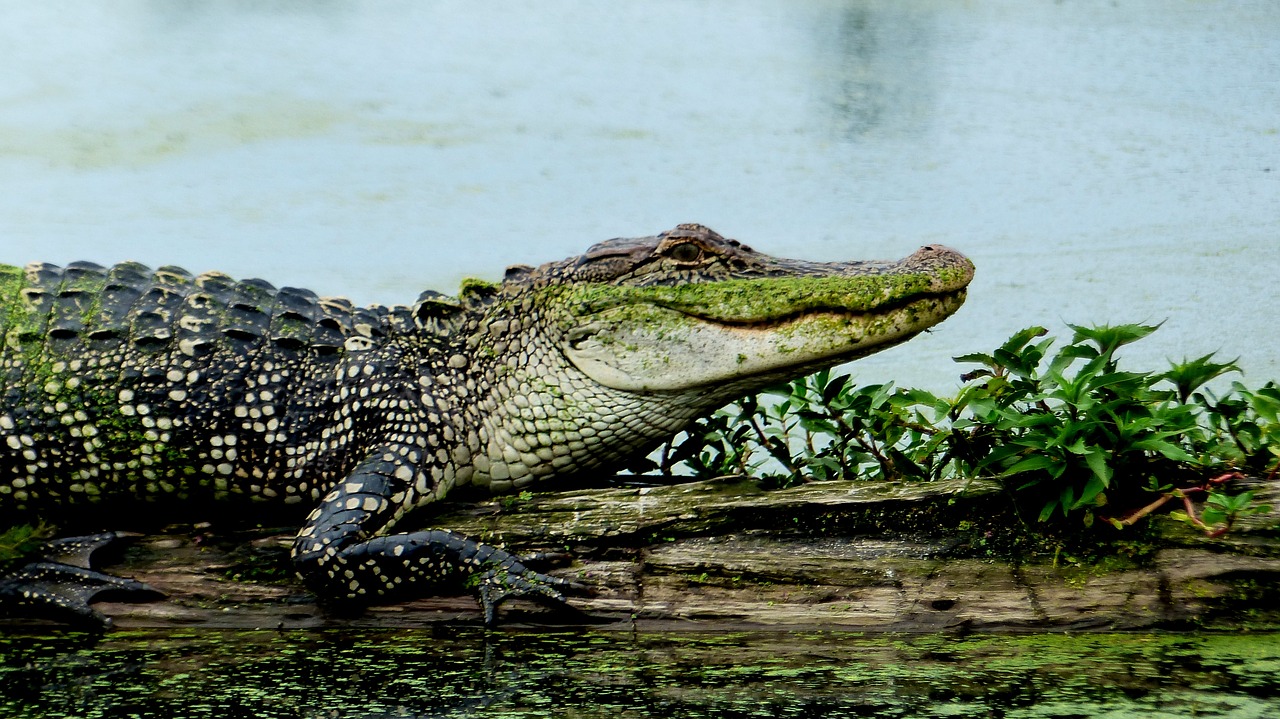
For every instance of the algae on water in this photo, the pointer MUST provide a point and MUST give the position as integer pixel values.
(468, 672)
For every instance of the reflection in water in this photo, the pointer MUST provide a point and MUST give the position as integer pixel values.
(448, 673)
(880, 62)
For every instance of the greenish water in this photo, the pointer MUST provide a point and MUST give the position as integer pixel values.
(469, 673)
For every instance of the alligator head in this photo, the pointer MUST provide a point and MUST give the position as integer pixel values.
(692, 311)
(607, 354)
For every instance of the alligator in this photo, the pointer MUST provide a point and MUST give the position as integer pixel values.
(131, 394)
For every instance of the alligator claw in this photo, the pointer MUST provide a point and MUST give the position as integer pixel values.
(60, 584)
(496, 586)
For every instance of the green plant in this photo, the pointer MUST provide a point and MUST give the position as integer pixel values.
(1068, 432)
(20, 540)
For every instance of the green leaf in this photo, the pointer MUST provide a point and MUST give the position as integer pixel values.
(1212, 516)
(834, 388)
(1096, 458)
(1089, 495)
(1109, 338)
(1115, 379)
(1007, 355)
(1031, 464)
(1232, 504)
(1190, 375)
(1168, 450)
(975, 358)
(999, 455)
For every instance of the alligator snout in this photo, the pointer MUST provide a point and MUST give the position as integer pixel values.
(952, 271)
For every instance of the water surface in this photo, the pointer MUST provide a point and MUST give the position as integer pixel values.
(467, 673)
(1100, 161)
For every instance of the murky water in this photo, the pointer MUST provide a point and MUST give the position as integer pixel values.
(1100, 161)
(470, 674)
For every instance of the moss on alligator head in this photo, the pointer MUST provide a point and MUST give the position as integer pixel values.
(690, 310)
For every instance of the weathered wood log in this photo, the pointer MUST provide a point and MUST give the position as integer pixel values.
(728, 553)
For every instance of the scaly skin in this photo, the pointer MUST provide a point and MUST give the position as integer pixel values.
(129, 393)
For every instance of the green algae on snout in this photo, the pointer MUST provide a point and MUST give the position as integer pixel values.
(764, 299)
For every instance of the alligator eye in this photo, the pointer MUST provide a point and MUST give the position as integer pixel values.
(687, 252)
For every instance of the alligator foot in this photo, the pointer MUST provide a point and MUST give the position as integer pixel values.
(496, 586)
(59, 583)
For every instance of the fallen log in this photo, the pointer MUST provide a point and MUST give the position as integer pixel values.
(730, 554)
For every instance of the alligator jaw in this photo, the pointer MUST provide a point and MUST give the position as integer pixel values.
(653, 348)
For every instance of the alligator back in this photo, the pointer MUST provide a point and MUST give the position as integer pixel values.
(125, 384)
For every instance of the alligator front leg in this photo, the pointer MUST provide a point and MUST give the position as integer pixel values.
(59, 583)
(337, 557)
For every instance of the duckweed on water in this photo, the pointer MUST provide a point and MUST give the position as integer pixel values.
(468, 673)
